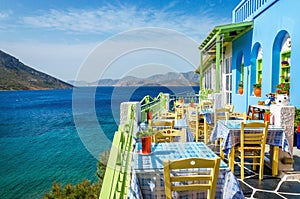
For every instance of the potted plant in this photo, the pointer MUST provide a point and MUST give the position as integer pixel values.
(241, 89)
(149, 114)
(192, 102)
(267, 115)
(257, 89)
(283, 88)
(146, 137)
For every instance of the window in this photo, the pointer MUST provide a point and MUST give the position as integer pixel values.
(227, 79)
(259, 70)
(207, 79)
(285, 67)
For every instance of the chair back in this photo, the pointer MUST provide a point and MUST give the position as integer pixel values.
(167, 135)
(238, 115)
(221, 114)
(230, 107)
(167, 115)
(193, 121)
(191, 179)
(257, 138)
(206, 104)
(162, 123)
(179, 109)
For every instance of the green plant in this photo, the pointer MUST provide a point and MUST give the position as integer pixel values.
(145, 133)
(241, 84)
(257, 85)
(282, 88)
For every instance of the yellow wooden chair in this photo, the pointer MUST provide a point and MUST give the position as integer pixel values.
(179, 109)
(196, 126)
(230, 107)
(163, 123)
(196, 181)
(238, 115)
(220, 114)
(167, 115)
(168, 135)
(206, 104)
(252, 146)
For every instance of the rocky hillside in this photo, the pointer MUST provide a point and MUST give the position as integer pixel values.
(14, 75)
(168, 79)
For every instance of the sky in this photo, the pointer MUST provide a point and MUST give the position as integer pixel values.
(92, 39)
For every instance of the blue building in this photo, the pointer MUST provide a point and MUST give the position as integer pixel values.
(261, 47)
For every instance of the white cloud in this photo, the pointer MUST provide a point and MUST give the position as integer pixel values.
(5, 14)
(109, 20)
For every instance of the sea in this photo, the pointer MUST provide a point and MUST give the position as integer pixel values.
(57, 135)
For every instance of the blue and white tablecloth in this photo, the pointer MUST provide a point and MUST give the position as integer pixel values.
(150, 175)
(229, 131)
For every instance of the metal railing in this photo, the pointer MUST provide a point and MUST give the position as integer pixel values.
(153, 105)
(247, 10)
(116, 181)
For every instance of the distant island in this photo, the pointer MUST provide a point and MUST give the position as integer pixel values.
(14, 75)
(167, 79)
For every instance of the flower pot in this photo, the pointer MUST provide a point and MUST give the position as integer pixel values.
(267, 117)
(241, 91)
(257, 92)
(146, 144)
(149, 116)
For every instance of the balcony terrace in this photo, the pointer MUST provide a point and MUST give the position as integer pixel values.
(119, 180)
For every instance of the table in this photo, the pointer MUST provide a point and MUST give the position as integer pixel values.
(179, 124)
(148, 170)
(262, 107)
(229, 132)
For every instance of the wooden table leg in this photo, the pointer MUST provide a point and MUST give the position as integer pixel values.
(231, 159)
(205, 131)
(275, 161)
(221, 149)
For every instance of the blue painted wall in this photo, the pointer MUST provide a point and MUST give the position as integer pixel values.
(282, 17)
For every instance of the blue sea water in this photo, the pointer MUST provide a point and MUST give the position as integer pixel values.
(40, 140)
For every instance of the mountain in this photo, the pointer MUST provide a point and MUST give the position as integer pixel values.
(14, 75)
(168, 79)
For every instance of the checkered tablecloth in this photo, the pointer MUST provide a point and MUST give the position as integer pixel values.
(183, 123)
(230, 132)
(149, 171)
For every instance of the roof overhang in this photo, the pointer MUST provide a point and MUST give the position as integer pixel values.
(228, 32)
(225, 33)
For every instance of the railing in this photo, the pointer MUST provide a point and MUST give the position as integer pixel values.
(191, 96)
(117, 175)
(247, 10)
(154, 105)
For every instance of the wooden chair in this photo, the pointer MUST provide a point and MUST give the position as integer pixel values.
(196, 126)
(179, 109)
(163, 123)
(192, 180)
(238, 116)
(168, 135)
(167, 115)
(252, 146)
(220, 114)
(254, 113)
(230, 107)
(206, 104)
